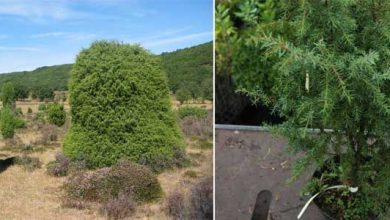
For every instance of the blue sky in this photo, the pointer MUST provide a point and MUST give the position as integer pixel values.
(36, 33)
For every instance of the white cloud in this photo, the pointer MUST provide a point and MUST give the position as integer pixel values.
(65, 35)
(36, 10)
(174, 40)
(20, 49)
(49, 34)
(160, 35)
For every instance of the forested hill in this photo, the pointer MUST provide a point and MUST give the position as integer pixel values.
(190, 67)
(41, 82)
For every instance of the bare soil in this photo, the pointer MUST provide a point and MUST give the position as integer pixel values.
(248, 162)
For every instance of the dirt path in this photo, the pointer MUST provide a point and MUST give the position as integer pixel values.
(248, 162)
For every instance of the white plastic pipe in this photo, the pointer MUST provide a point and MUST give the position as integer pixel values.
(351, 189)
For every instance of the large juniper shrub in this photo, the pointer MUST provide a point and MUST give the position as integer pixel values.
(121, 108)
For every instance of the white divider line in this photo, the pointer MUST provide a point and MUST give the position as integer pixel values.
(259, 128)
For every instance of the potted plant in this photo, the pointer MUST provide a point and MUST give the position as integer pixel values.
(328, 63)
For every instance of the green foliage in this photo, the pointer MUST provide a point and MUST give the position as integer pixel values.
(104, 184)
(40, 82)
(29, 110)
(40, 117)
(7, 123)
(19, 112)
(19, 122)
(329, 73)
(183, 95)
(21, 92)
(42, 107)
(43, 93)
(190, 68)
(56, 114)
(8, 94)
(188, 111)
(121, 108)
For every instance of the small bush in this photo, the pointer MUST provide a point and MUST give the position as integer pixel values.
(8, 95)
(118, 208)
(58, 167)
(107, 183)
(56, 114)
(202, 199)
(19, 111)
(29, 110)
(19, 123)
(7, 123)
(183, 95)
(28, 163)
(176, 207)
(42, 107)
(196, 112)
(40, 118)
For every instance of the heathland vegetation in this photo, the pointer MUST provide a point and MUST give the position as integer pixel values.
(117, 145)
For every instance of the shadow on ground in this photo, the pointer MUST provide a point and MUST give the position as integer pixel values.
(5, 163)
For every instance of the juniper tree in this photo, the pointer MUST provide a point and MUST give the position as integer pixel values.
(329, 68)
(121, 108)
(8, 95)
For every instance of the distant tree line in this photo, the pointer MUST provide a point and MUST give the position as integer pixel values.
(189, 72)
(40, 83)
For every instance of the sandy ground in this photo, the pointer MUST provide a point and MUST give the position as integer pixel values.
(247, 162)
(37, 196)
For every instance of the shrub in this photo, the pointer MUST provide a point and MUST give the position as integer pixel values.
(183, 95)
(8, 95)
(120, 107)
(18, 111)
(202, 199)
(59, 167)
(7, 123)
(40, 118)
(28, 163)
(188, 111)
(118, 208)
(19, 122)
(42, 107)
(56, 114)
(29, 110)
(107, 183)
(331, 73)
